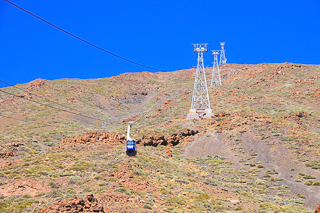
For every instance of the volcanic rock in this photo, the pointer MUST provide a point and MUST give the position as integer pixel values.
(95, 137)
(317, 210)
(86, 204)
(168, 153)
(171, 140)
(6, 154)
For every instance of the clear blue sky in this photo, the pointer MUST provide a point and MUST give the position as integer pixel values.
(157, 33)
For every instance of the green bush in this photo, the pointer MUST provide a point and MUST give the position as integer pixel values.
(238, 208)
(147, 206)
(182, 181)
(308, 182)
(40, 194)
(193, 190)
(210, 182)
(123, 190)
(27, 196)
(80, 166)
(54, 185)
(176, 201)
(309, 177)
(164, 191)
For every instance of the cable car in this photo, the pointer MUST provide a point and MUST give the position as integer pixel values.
(131, 143)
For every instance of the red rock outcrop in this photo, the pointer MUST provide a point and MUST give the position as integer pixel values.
(297, 115)
(95, 137)
(221, 114)
(36, 84)
(6, 154)
(168, 153)
(232, 122)
(171, 140)
(16, 162)
(132, 118)
(86, 204)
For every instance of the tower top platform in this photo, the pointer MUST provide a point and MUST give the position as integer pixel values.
(200, 47)
(215, 52)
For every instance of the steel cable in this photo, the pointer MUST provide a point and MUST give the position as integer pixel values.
(87, 42)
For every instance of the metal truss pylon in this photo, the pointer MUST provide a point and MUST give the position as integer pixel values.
(215, 80)
(200, 98)
(223, 59)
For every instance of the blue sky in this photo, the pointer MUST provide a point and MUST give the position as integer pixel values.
(157, 33)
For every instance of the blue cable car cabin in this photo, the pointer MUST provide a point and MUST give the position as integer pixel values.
(131, 143)
(131, 147)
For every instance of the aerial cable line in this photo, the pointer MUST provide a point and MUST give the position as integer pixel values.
(87, 42)
(51, 106)
(42, 97)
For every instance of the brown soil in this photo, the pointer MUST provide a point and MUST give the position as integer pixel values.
(123, 172)
(120, 203)
(132, 118)
(274, 156)
(22, 187)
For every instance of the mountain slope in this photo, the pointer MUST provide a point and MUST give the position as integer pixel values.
(260, 151)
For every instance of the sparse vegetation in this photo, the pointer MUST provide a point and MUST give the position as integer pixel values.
(271, 118)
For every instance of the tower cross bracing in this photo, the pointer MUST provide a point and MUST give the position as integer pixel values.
(215, 80)
(200, 97)
(223, 59)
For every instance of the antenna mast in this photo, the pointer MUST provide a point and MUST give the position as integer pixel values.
(223, 59)
(200, 98)
(215, 80)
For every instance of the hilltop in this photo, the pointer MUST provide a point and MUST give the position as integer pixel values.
(62, 143)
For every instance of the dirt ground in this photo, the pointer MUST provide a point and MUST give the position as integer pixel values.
(273, 156)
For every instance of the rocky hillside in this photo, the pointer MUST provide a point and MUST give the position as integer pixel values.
(62, 143)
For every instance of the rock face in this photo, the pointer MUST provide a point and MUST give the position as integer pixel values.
(95, 137)
(6, 154)
(317, 209)
(171, 140)
(168, 153)
(86, 204)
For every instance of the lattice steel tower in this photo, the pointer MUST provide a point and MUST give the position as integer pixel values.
(200, 98)
(223, 59)
(215, 80)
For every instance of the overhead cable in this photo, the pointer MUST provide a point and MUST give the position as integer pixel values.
(87, 42)
(47, 105)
